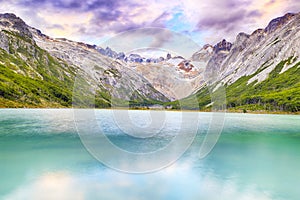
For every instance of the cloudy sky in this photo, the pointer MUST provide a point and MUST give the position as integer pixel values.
(94, 21)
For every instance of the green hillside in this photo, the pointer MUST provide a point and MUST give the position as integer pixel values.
(279, 92)
(31, 77)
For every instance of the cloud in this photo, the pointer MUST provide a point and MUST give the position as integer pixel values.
(230, 24)
(155, 39)
(226, 23)
(93, 20)
(160, 20)
(56, 26)
(225, 19)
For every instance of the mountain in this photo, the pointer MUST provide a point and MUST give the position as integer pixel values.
(30, 76)
(176, 78)
(260, 71)
(39, 71)
(131, 58)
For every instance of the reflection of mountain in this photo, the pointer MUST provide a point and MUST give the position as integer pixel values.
(260, 71)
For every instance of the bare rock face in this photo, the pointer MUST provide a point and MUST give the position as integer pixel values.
(4, 42)
(185, 66)
(278, 22)
(22, 55)
(222, 46)
(227, 62)
(262, 50)
(176, 78)
(102, 71)
(122, 75)
(11, 22)
(164, 78)
(169, 56)
(204, 54)
(220, 52)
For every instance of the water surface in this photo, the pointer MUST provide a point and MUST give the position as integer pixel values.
(42, 157)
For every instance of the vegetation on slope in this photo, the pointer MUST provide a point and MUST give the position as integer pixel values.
(31, 77)
(279, 92)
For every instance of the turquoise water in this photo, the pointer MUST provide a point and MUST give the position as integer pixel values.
(42, 157)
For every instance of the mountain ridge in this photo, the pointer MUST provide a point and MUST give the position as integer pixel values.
(252, 62)
(26, 64)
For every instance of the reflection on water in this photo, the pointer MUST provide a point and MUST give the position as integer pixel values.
(41, 157)
(178, 182)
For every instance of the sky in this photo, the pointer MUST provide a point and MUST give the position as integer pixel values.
(96, 21)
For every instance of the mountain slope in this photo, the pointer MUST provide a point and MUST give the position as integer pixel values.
(111, 74)
(29, 75)
(259, 71)
(38, 71)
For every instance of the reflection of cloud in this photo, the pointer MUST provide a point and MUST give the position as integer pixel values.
(179, 182)
(49, 186)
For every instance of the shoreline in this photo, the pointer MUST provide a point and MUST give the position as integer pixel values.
(168, 110)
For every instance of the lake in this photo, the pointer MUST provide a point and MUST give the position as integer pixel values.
(46, 154)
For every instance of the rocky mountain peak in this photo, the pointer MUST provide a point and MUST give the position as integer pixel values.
(259, 31)
(222, 46)
(38, 32)
(133, 57)
(279, 22)
(10, 16)
(169, 56)
(242, 36)
(9, 21)
(204, 54)
(207, 46)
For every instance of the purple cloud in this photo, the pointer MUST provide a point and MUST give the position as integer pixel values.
(254, 14)
(77, 5)
(225, 23)
(212, 20)
(160, 21)
(292, 6)
(102, 3)
(270, 2)
(56, 26)
(230, 23)
(225, 19)
(107, 15)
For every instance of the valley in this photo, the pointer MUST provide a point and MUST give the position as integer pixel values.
(259, 72)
